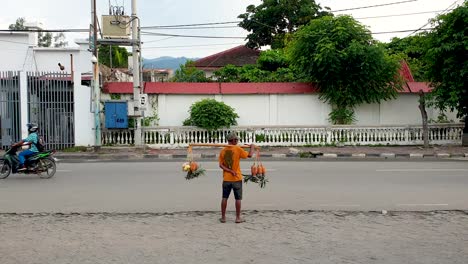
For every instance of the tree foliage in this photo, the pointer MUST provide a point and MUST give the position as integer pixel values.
(119, 56)
(60, 40)
(211, 115)
(447, 60)
(412, 49)
(350, 68)
(272, 66)
(188, 73)
(43, 39)
(269, 22)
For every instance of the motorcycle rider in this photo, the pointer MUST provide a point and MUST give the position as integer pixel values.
(31, 140)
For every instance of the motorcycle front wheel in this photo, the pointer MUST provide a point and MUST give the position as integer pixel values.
(5, 169)
(46, 168)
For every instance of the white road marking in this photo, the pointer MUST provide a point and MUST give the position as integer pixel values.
(422, 205)
(421, 170)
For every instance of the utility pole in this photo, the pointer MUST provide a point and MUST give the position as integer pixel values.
(136, 72)
(96, 88)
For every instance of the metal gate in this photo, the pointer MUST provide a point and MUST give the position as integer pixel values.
(10, 111)
(51, 106)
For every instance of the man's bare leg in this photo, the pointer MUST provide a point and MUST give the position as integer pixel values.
(238, 211)
(223, 210)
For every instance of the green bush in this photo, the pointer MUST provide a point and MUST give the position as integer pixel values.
(211, 115)
(341, 116)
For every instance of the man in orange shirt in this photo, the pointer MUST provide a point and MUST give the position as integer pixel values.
(229, 162)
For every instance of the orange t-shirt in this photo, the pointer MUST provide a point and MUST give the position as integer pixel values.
(230, 157)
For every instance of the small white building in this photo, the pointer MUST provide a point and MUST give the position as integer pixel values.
(21, 58)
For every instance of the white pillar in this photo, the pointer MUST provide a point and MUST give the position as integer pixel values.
(84, 118)
(24, 103)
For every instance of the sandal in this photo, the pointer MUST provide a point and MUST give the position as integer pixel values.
(222, 220)
(240, 221)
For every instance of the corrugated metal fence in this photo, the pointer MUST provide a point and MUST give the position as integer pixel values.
(10, 111)
(51, 106)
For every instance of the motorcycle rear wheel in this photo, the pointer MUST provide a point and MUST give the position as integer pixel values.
(5, 169)
(46, 168)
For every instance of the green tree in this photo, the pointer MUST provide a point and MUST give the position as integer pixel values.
(272, 60)
(270, 22)
(412, 49)
(188, 73)
(44, 39)
(447, 60)
(228, 73)
(60, 40)
(211, 115)
(272, 66)
(350, 68)
(18, 25)
(119, 56)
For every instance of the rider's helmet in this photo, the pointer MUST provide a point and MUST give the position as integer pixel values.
(32, 127)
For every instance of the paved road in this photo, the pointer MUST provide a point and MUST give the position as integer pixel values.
(294, 185)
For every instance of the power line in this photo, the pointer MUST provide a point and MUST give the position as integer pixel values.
(222, 37)
(47, 30)
(398, 15)
(372, 6)
(447, 9)
(191, 25)
(189, 46)
(158, 40)
(194, 27)
(188, 36)
(399, 31)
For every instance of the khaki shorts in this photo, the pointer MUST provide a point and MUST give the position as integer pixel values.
(235, 186)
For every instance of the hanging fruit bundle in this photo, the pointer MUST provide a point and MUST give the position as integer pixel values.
(191, 167)
(258, 172)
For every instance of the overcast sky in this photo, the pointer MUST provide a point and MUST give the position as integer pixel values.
(56, 14)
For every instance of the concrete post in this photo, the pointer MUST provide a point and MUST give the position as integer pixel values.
(24, 103)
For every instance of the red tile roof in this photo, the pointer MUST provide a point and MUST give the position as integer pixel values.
(405, 72)
(238, 56)
(212, 88)
(268, 88)
(235, 88)
(181, 88)
(118, 88)
(415, 87)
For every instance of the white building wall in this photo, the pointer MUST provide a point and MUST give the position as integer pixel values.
(47, 59)
(14, 48)
(173, 109)
(252, 109)
(19, 52)
(301, 109)
(403, 110)
(295, 110)
(367, 115)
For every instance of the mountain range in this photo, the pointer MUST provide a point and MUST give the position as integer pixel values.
(165, 62)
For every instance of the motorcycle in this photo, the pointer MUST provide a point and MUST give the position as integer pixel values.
(42, 164)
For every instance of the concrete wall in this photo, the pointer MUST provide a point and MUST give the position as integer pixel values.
(14, 49)
(294, 110)
(19, 52)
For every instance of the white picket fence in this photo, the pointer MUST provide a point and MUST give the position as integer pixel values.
(179, 137)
